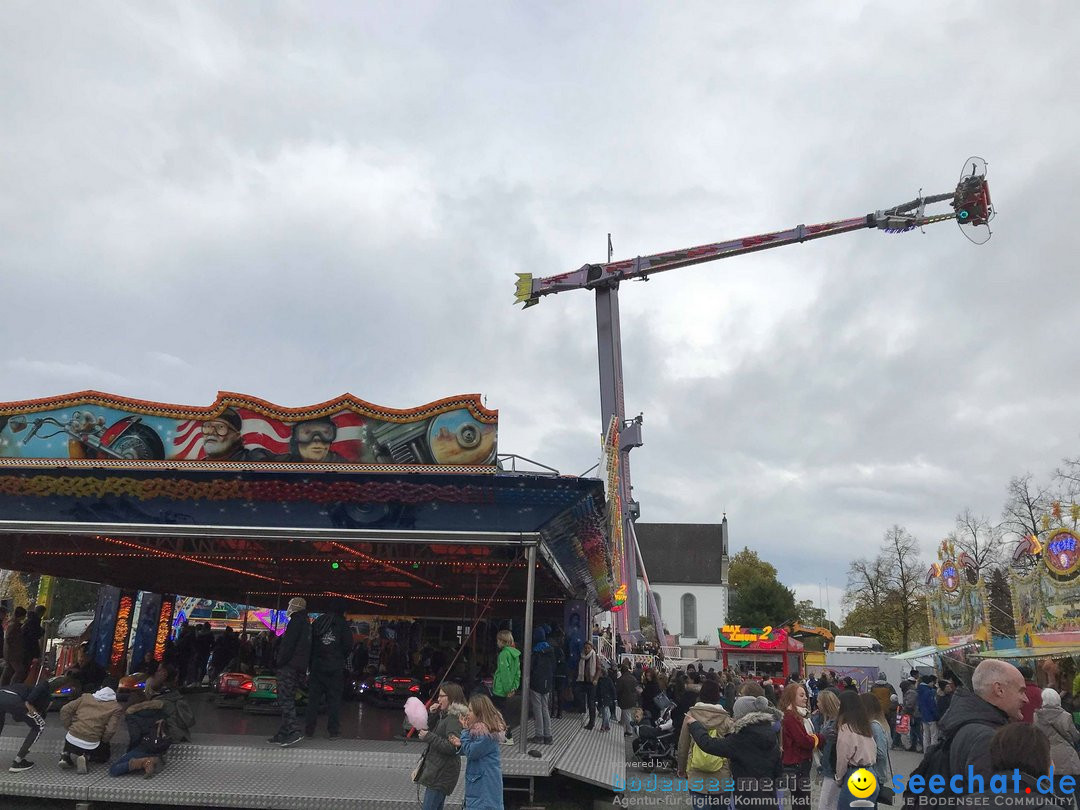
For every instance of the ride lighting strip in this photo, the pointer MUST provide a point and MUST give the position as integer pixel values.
(265, 558)
(186, 558)
(164, 624)
(120, 634)
(387, 566)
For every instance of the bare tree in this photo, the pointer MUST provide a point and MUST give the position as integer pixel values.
(1026, 504)
(906, 576)
(980, 539)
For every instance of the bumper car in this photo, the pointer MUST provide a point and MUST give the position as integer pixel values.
(233, 688)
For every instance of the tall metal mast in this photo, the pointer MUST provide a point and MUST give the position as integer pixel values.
(971, 206)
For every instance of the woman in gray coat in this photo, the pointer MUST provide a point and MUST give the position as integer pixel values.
(1057, 724)
(442, 763)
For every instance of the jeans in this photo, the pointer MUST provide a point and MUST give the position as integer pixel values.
(433, 799)
(845, 798)
(829, 793)
(605, 717)
(929, 734)
(120, 767)
(541, 717)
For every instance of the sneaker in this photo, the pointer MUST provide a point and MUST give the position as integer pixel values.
(80, 764)
(548, 741)
(333, 736)
(508, 741)
(20, 765)
(65, 761)
(291, 739)
(536, 740)
(605, 728)
(276, 739)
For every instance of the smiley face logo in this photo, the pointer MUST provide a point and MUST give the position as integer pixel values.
(862, 783)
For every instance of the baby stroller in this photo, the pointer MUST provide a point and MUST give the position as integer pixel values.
(655, 743)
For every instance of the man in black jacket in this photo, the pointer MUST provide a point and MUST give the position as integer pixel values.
(331, 641)
(541, 681)
(293, 654)
(27, 704)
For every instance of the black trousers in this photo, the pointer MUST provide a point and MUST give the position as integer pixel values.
(587, 689)
(329, 684)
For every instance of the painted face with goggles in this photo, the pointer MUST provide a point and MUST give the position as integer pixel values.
(312, 440)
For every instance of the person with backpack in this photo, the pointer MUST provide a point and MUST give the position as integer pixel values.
(331, 642)
(855, 747)
(293, 654)
(541, 680)
(707, 774)
(752, 750)
(996, 698)
(164, 685)
(148, 737)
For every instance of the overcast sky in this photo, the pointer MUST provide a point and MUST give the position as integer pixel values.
(298, 200)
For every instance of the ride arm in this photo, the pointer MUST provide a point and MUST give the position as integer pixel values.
(897, 219)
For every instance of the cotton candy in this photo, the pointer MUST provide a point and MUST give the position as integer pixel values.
(416, 714)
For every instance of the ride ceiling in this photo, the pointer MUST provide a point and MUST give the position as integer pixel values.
(210, 509)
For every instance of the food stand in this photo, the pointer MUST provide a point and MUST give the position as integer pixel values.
(765, 651)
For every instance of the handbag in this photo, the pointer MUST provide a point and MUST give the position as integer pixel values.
(157, 739)
(415, 775)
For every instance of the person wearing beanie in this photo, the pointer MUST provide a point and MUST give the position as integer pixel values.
(1054, 722)
(293, 653)
(706, 775)
(752, 750)
(541, 681)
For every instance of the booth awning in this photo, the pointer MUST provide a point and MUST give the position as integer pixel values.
(1031, 652)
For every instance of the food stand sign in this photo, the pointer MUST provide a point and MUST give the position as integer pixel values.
(764, 638)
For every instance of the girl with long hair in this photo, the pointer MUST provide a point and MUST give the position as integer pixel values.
(799, 742)
(442, 765)
(828, 706)
(880, 726)
(855, 746)
(482, 730)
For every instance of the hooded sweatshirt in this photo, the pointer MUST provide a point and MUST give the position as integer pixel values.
(507, 672)
(92, 719)
(712, 716)
(542, 675)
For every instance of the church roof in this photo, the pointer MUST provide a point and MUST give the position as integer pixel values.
(683, 553)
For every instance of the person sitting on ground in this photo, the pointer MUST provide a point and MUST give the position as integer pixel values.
(91, 722)
(145, 718)
(163, 685)
(27, 704)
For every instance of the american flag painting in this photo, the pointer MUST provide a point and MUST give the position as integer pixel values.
(262, 433)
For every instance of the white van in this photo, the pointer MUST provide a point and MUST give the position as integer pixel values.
(856, 644)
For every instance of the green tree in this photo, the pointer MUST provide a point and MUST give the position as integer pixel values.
(73, 596)
(758, 599)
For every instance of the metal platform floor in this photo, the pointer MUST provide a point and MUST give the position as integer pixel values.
(242, 771)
